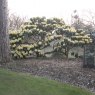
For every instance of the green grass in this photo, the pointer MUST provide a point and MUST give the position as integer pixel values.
(12, 83)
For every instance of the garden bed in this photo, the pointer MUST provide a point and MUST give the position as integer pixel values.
(67, 71)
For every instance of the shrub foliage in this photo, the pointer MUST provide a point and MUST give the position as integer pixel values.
(39, 33)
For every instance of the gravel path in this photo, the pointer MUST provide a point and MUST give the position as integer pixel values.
(67, 71)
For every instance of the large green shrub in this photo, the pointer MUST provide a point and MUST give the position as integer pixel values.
(38, 33)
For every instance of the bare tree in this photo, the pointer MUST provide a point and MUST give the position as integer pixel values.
(15, 21)
(85, 21)
(4, 37)
(89, 17)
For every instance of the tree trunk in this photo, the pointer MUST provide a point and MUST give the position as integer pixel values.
(66, 50)
(4, 35)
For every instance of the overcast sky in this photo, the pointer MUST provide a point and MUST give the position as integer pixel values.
(49, 8)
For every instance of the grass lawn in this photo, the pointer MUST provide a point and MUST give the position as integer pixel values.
(12, 83)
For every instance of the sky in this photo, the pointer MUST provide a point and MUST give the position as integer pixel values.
(50, 8)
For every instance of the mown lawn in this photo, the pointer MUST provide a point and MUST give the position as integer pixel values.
(12, 83)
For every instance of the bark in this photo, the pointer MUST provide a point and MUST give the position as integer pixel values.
(4, 36)
(84, 58)
(66, 50)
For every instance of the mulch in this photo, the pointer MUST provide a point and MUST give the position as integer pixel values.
(63, 70)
